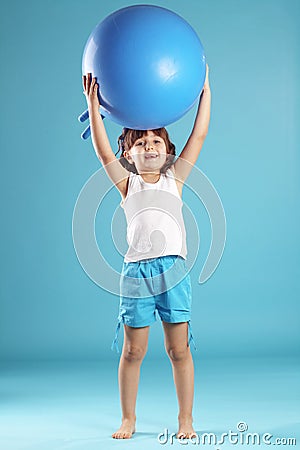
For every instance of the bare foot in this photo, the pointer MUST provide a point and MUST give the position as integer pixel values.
(126, 430)
(186, 429)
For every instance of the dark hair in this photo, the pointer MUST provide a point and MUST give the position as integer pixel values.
(127, 139)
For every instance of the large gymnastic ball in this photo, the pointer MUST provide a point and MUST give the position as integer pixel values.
(149, 64)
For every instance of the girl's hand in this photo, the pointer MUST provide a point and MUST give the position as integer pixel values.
(90, 91)
(206, 82)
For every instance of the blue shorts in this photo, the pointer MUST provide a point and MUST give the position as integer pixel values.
(156, 285)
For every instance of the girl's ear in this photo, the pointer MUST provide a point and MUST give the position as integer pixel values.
(127, 155)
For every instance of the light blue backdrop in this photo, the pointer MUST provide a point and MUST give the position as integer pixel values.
(50, 309)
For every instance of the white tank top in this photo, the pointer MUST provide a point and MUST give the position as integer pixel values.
(155, 225)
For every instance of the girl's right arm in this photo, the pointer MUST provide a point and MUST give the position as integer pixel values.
(116, 172)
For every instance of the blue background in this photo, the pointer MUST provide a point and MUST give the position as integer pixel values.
(50, 309)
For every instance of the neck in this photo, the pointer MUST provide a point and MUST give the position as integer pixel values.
(150, 177)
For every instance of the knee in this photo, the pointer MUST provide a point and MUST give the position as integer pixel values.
(134, 353)
(177, 354)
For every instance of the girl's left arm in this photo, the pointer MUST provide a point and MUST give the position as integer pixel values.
(189, 155)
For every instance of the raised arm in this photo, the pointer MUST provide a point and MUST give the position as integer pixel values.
(189, 155)
(116, 172)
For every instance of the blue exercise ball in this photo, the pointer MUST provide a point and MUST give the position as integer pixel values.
(149, 64)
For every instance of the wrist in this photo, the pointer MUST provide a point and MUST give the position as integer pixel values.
(93, 109)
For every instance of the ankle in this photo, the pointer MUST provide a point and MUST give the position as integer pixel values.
(129, 418)
(185, 418)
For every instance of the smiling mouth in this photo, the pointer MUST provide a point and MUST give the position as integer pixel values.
(151, 155)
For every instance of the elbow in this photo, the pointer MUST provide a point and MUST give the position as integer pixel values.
(200, 136)
(199, 132)
(203, 135)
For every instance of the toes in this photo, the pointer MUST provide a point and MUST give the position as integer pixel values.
(181, 435)
(122, 435)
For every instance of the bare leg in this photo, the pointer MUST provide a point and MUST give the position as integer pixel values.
(133, 352)
(176, 343)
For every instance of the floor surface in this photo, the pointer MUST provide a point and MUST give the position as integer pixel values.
(75, 405)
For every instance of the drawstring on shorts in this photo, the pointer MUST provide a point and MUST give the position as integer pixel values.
(114, 344)
(191, 339)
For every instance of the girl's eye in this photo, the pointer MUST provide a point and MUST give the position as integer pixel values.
(140, 143)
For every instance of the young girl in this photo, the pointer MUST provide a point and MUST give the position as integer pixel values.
(147, 172)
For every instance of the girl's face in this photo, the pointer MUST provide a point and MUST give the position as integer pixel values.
(148, 153)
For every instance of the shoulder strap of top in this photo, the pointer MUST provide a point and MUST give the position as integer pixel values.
(133, 178)
(171, 171)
